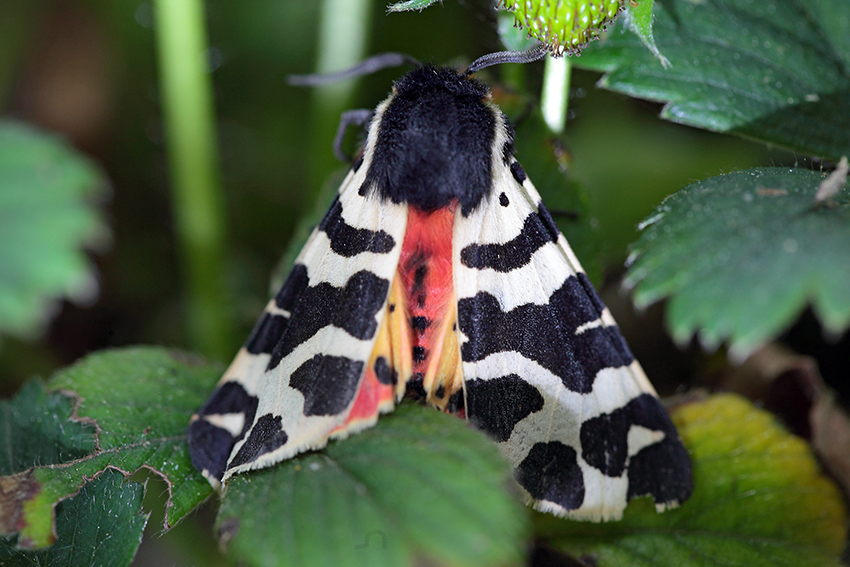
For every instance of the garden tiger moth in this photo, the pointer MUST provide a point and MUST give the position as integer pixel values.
(438, 273)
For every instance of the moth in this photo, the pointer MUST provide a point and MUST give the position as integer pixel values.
(437, 273)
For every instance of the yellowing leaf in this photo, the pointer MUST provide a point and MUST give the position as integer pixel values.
(759, 500)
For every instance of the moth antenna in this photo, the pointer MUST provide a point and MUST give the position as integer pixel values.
(368, 66)
(500, 57)
(571, 215)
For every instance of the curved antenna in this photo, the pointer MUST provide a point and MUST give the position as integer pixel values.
(506, 57)
(368, 66)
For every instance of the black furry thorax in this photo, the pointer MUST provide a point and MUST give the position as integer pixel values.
(435, 141)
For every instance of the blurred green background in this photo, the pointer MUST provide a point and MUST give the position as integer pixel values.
(87, 69)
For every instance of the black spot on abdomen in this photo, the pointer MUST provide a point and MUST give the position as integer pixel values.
(419, 323)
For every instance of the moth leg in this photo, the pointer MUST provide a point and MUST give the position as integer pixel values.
(358, 117)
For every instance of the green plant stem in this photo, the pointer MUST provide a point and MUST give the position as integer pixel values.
(195, 178)
(343, 33)
(556, 91)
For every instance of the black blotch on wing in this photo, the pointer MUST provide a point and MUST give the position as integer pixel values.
(231, 397)
(498, 404)
(546, 333)
(548, 221)
(550, 472)
(604, 441)
(266, 436)
(455, 403)
(352, 308)
(266, 334)
(508, 146)
(328, 383)
(349, 241)
(518, 172)
(294, 285)
(514, 253)
(210, 445)
(385, 374)
(661, 470)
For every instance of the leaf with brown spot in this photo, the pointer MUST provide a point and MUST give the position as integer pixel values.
(131, 408)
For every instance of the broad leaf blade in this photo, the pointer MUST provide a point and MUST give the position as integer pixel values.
(742, 254)
(36, 430)
(47, 218)
(774, 70)
(759, 500)
(140, 401)
(835, 21)
(418, 487)
(102, 525)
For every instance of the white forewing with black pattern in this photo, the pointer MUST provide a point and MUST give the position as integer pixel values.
(546, 371)
(295, 379)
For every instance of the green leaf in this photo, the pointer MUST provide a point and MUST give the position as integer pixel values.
(139, 400)
(99, 526)
(36, 429)
(774, 70)
(409, 5)
(47, 218)
(835, 21)
(565, 26)
(420, 487)
(759, 500)
(640, 22)
(742, 254)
